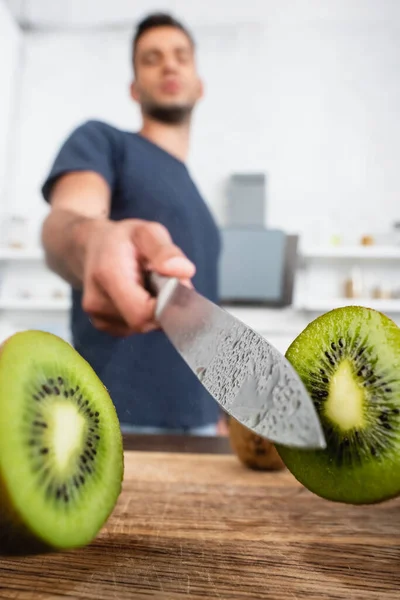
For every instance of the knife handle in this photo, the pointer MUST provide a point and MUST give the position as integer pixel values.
(154, 283)
(160, 287)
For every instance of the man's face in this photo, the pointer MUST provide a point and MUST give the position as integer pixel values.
(166, 75)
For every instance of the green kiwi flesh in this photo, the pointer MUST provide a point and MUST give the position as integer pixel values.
(61, 455)
(349, 361)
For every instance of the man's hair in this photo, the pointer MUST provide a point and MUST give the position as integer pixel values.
(158, 20)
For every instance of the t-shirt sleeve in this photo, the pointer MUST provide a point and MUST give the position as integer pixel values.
(90, 147)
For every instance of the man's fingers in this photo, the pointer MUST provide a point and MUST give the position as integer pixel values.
(119, 274)
(134, 303)
(187, 283)
(127, 305)
(118, 327)
(157, 250)
(114, 292)
(110, 327)
(96, 302)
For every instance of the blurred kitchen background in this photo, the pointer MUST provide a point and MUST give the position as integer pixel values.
(296, 146)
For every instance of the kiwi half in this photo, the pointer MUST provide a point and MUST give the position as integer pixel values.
(254, 451)
(349, 360)
(61, 455)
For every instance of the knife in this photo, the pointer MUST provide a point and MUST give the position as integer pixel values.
(249, 378)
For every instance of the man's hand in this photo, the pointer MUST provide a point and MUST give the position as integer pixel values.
(107, 258)
(116, 254)
(222, 426)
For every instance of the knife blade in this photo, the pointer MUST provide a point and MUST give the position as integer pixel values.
(250, 379)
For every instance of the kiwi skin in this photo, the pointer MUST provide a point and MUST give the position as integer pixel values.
(253, 451)
(16, 538)
(374, 478)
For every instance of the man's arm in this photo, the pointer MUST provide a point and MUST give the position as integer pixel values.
(106, 258)
(80, 202)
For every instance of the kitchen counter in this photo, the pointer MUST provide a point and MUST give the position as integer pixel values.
(177, 443)
(192, 522)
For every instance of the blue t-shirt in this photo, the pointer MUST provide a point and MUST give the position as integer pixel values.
(149, 382)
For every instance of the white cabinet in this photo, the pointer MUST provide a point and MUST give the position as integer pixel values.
(325, 270)
(31, 296)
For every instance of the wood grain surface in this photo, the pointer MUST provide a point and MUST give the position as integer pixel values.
(203, 526)
(178, 443)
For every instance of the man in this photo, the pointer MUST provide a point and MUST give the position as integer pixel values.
(122, 202)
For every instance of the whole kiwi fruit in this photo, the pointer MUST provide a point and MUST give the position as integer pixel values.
(349, 361)
(61, 455)
(251, 449)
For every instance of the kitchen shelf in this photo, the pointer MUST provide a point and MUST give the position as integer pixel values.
(326, 304)
(268, 321)
(24, 254)
(34, 304)
(352, 252)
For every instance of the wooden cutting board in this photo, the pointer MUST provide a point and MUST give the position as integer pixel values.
(203, 526)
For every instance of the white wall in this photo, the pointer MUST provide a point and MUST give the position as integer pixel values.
(307, 91)
(311, 97)
(71, 77)
(78, 13)
(334, 125)
(10, 45)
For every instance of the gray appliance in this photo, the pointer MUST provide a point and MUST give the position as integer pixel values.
(246, 200)
(257, 266)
